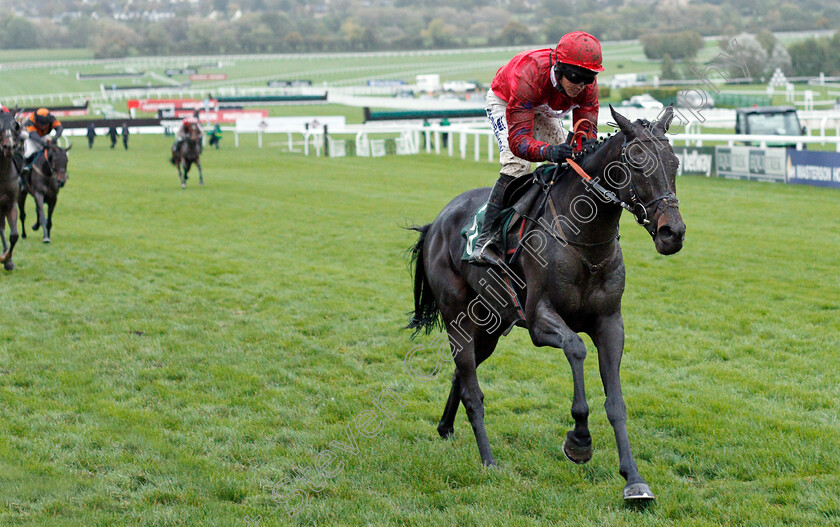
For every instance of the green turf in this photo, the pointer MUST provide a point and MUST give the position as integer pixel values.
(174, 354)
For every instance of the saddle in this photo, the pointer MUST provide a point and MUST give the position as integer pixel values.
(520, 201)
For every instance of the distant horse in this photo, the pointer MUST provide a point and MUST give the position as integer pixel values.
(187, 153)
(570, 280)
(48, 175)
(9, 186)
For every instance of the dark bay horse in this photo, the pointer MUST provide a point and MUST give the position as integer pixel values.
(187, 153)
(569, 279)
(48, 175)
(9, 186)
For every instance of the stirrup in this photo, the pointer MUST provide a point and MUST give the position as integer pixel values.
(487, 255)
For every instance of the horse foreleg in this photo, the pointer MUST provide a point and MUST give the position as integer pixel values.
(181, 175)
(609, 339)
(50, 209)
(6, 258)
(549, 329)
(22, 211)
(200, 175)
(484, 347)
(42, 220)
(3, 238)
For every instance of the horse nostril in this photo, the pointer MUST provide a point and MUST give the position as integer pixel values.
(665, 232)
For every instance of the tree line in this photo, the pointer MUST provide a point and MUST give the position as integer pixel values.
(277, 26)
(761, 54)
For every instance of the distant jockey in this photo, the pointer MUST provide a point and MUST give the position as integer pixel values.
(36, 130)
(525, 104)
(184, 131)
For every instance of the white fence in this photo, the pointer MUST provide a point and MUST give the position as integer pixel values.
(470, 138)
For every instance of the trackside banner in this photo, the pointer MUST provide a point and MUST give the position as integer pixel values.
(221, 116)
(814, 168)
(696, 160)
(757, 164)
(153, 105)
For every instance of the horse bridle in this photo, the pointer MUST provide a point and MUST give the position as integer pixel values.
(637, 208)
(7, 134)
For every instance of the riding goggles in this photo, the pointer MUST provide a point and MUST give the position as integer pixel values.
(577, 75)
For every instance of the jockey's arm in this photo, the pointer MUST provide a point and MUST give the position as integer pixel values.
(59, 129)
(520, 120)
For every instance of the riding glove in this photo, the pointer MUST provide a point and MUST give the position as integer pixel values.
(558, 153)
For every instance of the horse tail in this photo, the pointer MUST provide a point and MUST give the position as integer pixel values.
(426, 315)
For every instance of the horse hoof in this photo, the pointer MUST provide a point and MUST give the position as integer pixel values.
(46, 240)
(183, 185)
(638, 492)
(9, 265)
(576, 454)
(446, 432)
(201, 183)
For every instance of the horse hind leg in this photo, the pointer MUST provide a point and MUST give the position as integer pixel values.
(484, 348)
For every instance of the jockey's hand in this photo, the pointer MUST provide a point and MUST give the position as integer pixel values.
(558, 153)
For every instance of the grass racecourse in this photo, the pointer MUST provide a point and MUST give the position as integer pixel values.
(175, 357)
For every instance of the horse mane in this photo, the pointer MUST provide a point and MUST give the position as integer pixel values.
(582, 156)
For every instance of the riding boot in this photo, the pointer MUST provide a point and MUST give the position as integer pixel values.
(487, 250)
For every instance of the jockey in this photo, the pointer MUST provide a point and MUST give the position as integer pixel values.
(36, 130)
(184, 130)
(527, 98)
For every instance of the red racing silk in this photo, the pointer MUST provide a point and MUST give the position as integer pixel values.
(525, 83)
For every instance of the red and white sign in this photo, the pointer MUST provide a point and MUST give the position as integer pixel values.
(208, 77)
(153, 105)
(66, 113)
(223, 116)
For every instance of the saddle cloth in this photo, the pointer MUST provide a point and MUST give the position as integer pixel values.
(520, 198)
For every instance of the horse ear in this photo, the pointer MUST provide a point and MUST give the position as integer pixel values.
(623, 123)
(664, 121)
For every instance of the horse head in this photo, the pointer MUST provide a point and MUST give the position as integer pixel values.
(194, 132)
(650, 167)
(56, 159)
(9, 132)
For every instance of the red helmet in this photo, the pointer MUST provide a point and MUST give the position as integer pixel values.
(580, 49)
